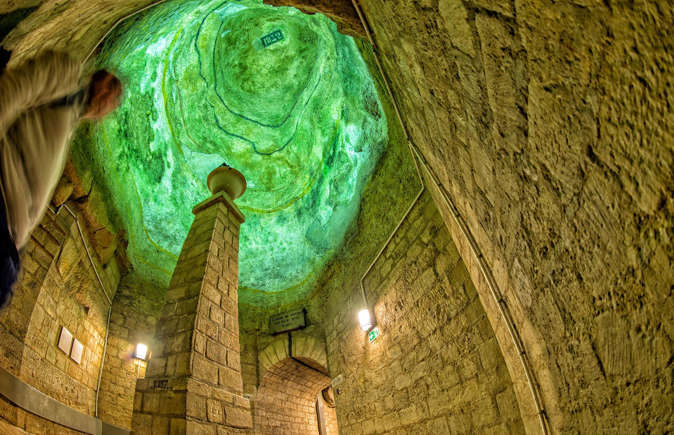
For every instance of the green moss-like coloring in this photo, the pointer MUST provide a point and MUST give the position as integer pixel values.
(300, 119)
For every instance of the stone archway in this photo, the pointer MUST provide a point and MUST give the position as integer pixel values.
(304, 348)
(293, 373)
(286, 399)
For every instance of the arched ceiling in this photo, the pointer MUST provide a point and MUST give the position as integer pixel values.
(299, 117)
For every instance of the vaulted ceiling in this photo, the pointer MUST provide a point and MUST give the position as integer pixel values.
(276, 93)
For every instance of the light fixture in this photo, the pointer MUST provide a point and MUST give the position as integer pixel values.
(365, 319)
(141, 351)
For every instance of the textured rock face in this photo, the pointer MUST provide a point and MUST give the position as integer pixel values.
(135, 312)
(44, 29)
(436, 368)
(287, 399)
(341, 12)
(548, 124)
(13, 5)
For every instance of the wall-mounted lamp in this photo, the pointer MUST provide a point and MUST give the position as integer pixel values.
(140, 352)
(140, 359)
(365, 319)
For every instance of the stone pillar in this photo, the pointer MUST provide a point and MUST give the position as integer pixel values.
(193, 382)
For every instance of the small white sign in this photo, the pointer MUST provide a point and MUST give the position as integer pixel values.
(373, 334)
(76, 352)
(65, 341)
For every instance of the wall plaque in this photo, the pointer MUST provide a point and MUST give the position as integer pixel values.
(272, 38)
(76, 352)
(287, 321)
(65, 341)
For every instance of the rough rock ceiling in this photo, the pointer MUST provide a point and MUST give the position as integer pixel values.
(300, 118)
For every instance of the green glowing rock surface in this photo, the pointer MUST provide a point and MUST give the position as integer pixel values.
(297, 113)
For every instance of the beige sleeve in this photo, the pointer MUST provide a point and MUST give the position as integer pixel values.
(34, 136)
(45, 78)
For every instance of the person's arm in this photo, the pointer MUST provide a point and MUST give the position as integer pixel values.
(38, 81)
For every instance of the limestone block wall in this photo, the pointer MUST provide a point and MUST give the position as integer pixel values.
(37, 259)
(331, 426)
(57, 287)
(134, 315)
(194, 381)
(286, 399)
(342, 13)
(283, 374)
(436, 366)
(83, 312)
(248, 342)
(306, 345)
(46, 25)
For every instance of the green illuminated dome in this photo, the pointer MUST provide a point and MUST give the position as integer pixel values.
(277, 94)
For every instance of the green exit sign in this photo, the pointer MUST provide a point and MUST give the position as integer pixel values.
(272, 38)
(373, 334)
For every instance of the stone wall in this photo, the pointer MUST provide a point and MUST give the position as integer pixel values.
(194, 381)
(329, 416)
(547, 123)
(37, 260)
(248, 343)
(436, 368)
(47, 23)
(16, 421)
(286, 399)
(57, 288)
(287, 371)
(342, 13)
(134, 315)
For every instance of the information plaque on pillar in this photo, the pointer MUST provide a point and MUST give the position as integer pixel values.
(287, 321)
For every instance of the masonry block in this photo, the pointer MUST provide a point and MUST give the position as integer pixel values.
(196, 371)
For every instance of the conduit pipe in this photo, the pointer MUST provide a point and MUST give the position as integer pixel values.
(105, 293)
(416, 164)
(494, 290)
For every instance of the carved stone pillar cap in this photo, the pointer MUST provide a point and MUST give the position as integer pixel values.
(224, 198)
(224, 178)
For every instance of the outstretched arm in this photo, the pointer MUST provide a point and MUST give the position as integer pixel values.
(38, 81)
